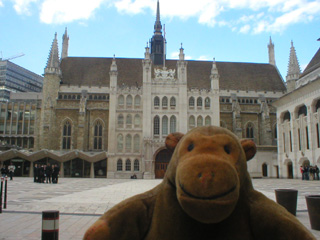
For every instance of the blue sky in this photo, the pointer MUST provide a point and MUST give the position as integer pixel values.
(227, 30)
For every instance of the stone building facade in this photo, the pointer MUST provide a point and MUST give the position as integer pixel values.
(109, 117)
(298, 118)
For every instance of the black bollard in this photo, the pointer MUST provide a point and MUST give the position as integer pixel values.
(1, 187)
(5, 193)
(288, 199)
(50, 225)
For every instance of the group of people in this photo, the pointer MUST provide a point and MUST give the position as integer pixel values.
(309, 172)
(5, 171)
(46, 173)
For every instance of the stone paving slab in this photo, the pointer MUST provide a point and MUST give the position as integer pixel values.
(81, 201)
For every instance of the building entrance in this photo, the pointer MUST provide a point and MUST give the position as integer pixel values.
(162, 161)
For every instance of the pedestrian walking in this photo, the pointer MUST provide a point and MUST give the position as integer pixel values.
(312, 172)
(316, 172)
(4, 171)
(11, 170)
(302, 172)
(55, 174)
(41, 174)
(48, 173)
(306, 172)
(35, 173)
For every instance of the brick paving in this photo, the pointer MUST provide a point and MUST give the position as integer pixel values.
(81, 201)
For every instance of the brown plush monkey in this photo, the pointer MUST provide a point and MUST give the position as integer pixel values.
(206, 193)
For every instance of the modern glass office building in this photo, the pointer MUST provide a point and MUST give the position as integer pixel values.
(14, 78)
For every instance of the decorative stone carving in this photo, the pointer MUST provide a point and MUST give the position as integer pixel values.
(164, 74)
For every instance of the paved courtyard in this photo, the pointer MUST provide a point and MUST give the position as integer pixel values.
(81, 202)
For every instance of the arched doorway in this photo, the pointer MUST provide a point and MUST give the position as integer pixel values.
(264, 170)
(162, 160)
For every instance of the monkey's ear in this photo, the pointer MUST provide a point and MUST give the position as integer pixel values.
(172, 140)
(249, 148)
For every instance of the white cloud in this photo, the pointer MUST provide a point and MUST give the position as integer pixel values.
(23, 6)
(244, 16)
(175, 55)
(245, 29)
(62, 11)
(204, 58)
(1, 3)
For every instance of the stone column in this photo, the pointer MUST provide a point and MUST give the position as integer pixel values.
(61, 174)
(92, 170)
(31, 169)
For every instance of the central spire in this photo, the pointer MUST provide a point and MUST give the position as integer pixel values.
(157, 41)
(157, 25)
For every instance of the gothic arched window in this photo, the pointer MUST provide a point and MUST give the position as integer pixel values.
(136, 165)
(137, 101)
(207, 102)
(120, 121)
(129, 101)
(120, 142)
(164, 125)
(172, 102)
(97, 136)
(129, 120)
(119, 165)
(164, 102)
(208, 121)
(128, 165)
(156, 102)
(199, 102)
(191, 102)
(199, 121)
(173, 124)
(121, 100)
(128, 142)
(192, 122)
(137, 120)
(250, 131)
(66, 135)
(136, 143)
(156, 125)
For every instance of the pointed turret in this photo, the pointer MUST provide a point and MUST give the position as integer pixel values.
(181, 54)
(272, 59)
(182, 67)
(65, 45)
(53, 59)
(147, 52)
(157, 41)
(114, 67)
(214, 77)
(157, 25)
(293, 69)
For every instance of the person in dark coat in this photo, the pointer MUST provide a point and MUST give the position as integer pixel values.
(11, 170)
(41, 174)
(48, 173)
(35, 173)
(4, 171)
(55, 173)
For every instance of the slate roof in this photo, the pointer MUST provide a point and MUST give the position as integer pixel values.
(313, 64)
(233, 75)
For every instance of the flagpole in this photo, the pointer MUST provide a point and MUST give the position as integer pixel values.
(164, 46)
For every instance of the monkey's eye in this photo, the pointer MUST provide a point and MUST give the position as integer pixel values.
(227, 149)
(190, 147)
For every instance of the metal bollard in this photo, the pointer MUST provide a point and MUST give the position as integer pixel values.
(1, 187)
(5, 193)
(50, 225)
